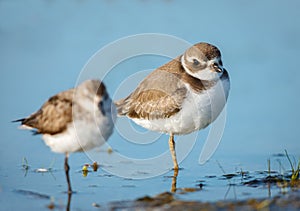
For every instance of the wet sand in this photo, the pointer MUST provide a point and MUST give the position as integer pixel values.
(167, 201)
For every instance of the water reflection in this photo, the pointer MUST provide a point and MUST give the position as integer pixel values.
(52, 204)
(69, 201)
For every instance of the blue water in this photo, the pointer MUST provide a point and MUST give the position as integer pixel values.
(45, 44)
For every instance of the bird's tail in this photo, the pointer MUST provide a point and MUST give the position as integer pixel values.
(120, 104)
(19, 120)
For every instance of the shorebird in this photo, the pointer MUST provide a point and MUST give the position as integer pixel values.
(75, 120)
(182, 96)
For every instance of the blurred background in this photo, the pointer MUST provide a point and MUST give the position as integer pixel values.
(44, 45)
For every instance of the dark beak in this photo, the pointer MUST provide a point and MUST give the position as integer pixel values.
(217, 68)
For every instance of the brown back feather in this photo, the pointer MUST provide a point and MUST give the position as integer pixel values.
(53, 117)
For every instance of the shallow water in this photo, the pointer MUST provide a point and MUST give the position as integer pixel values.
(45, 44)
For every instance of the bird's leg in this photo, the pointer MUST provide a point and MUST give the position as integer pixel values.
(174, 181)
(67, 168)
(172, 150)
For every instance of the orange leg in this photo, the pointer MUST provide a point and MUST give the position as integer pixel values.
(173, 152)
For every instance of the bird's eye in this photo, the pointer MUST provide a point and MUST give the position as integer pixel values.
(101, 106)
(196, 62)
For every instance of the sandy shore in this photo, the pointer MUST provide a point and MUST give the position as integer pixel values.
(167, 201)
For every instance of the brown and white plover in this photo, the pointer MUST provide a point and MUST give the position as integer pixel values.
(182, 96)
(75, 120)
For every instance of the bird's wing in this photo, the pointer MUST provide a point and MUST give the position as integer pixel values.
(53, 117)
(160, 95)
